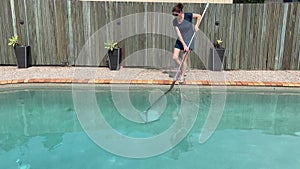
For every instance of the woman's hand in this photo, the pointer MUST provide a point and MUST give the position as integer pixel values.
(196, 28)
(186, 48)
(198, 17)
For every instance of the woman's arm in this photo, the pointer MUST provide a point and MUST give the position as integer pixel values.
(181, 39)
(198, 17)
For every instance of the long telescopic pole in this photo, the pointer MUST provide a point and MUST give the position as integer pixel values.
(179, 68)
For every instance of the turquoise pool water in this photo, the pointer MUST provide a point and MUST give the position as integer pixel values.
(259, 129)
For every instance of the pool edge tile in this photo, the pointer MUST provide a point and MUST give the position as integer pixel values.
(151, 81)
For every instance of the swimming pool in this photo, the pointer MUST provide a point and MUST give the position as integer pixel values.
(259, 128)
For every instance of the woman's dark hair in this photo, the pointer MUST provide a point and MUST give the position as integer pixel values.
(178, 8)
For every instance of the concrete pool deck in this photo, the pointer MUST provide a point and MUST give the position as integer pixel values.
(102, 75)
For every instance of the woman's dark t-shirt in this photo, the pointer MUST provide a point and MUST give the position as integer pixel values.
(186, 28)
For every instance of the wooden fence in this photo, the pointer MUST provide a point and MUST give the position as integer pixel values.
(256, 36)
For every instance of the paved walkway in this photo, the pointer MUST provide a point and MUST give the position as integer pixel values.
(54, 74)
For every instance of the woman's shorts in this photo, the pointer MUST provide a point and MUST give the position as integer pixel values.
(179, 45)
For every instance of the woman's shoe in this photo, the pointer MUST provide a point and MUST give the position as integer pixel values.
(181, 80)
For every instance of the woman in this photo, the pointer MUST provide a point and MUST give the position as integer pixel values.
(184, 29)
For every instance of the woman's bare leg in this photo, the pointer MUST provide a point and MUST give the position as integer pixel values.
(176, 59)
(184, 66)
(176, 55)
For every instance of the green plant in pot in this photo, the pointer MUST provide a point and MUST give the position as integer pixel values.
(111, 45)
(114, 55)
(13, 41)
(218, 43)
(22, 52)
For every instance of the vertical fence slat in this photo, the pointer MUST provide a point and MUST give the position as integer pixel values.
(253, 35)
(223, 25)
(31, 32)
(298, 38)
(227, 33)
(154, 60)
(229, 56)
(258, 47)
(281, 37)
(20, 11)
(273, 36)
(62, 32)
(245, 37)
(263, 42)
(129, 46)
(230, 45)
(38, 27)
(238, 37)
(234, 40)
(102, 19)
(270, 36)
(211, 18)
(2, 52)
(288, 41)
(6, 52)
(295, 54)
(48, 47)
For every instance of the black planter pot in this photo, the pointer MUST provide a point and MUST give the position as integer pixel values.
(115, 59)
(23, 56)
(216, 59)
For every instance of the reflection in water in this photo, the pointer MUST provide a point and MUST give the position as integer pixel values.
(22, 165)
(52, 141)
(39, 129)
(183, 147)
